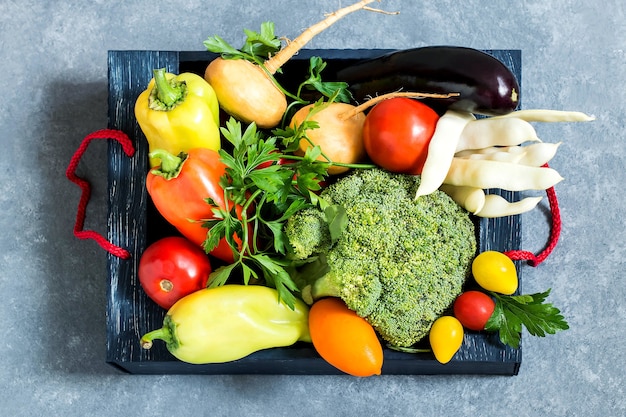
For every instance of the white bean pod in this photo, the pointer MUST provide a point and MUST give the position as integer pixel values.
(536, 154)
(470, 198)
(511, 154)
(546, 115)
(497, 206)
(539, 154)
(493, 174)
(492, 131)
(441, 150)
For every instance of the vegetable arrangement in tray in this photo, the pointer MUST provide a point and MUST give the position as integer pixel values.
(340, 214)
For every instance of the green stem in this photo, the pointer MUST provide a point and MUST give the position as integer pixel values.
(280, 87)
(171, 165)
(251, 200)
(355, 166)
(245, 246)
(167, 94)
(341, 164)
(163, 334)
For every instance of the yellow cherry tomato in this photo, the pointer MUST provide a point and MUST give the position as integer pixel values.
(494, 271)
(446, 338)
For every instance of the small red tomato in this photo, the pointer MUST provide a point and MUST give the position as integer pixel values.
(397, 132)
(171, 268)
(473, 309)
(280, 161)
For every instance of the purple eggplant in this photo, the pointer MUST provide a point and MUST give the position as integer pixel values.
(485, 85)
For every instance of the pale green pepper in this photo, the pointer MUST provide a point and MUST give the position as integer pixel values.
(226, 323)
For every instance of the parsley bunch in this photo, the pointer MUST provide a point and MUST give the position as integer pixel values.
(264, 179)
(528, 310)
(269, 186)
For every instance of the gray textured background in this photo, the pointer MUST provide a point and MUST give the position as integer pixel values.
(54, 92)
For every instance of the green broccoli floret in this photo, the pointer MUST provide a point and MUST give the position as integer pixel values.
(400, 261)
(312, 231)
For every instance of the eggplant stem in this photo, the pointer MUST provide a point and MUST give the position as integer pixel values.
(279, 59)
(369, 103)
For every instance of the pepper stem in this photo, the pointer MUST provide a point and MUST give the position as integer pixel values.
(171, 165)
(167, 93)
(163, 334)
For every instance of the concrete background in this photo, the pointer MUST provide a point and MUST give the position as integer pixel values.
(54, 92)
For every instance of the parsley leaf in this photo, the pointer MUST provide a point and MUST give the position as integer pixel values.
(261, 44)
(337, 220)
(334, 90)
(528, 310)
(257, 47)
(219, 46)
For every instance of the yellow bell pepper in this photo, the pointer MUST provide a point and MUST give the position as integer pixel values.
(178, 113)
(226, 323)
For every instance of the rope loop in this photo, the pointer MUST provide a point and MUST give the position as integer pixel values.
(85, 187)
(555, 232)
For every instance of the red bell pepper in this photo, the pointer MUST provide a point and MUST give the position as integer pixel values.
(180, 187)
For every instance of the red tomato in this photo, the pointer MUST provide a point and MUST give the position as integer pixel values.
(473, 309)
(397, 132)
(171, 268)
(280, 161)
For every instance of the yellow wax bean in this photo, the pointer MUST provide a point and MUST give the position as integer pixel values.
(441, 150)
(536, 154)
(495, 174)
(490, 150)
(512, 154)
(483, 133)
(546, 115)
(497, 206)
(539, 154)
(470, 198)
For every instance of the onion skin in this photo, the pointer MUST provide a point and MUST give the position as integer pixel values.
(246, 92)
(339, 137)
(485, 85)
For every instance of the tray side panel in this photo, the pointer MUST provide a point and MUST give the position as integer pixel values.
(129, 312)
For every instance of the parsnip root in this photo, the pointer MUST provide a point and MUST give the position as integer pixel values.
(277, 61)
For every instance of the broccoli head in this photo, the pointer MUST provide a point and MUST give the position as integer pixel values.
(399, 261)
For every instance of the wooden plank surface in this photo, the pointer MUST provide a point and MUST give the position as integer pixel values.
(133, 223)
(129, 311)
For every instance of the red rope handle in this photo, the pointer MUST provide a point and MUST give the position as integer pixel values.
(84, 185)
(555, 232)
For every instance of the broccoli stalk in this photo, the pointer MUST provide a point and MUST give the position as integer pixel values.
(399, 262)
(317, 280)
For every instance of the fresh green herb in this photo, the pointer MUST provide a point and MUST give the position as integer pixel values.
(528, 310)
(290, 136)
(269, 188)
(335, 90)
(257, 47)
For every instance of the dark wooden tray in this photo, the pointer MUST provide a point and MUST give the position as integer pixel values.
(133, 223)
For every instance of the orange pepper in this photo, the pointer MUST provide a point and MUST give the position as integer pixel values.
(344, 339)
(180, 187)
